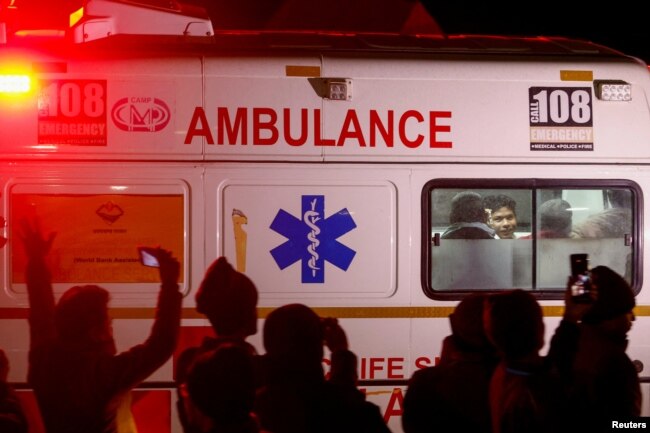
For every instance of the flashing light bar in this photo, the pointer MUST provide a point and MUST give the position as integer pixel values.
(613, 90)
(15, 83)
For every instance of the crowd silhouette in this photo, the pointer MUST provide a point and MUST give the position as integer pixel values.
(229, 300)
(12, 417)
(467, 360)
(79, 379)
(491, 376)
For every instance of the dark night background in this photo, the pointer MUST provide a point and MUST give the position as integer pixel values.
(620, 25)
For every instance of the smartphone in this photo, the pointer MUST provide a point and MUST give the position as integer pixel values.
(148, 257)
(581, 287)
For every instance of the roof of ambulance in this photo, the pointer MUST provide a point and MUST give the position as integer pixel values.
(291, 42)
(277, 27)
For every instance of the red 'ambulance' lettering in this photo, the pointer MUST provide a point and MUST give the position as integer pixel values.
(386, 131)
(260, 125)
(270, 127)
(287, 127)
(223, 120)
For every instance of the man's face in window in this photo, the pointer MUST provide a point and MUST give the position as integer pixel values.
(504, 222)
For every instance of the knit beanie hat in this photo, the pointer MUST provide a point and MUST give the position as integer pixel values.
(615, 296)
(228, 298)
(467, 322)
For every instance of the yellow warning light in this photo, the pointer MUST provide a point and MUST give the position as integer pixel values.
(571, 75)
(15, 83)
(76, 16)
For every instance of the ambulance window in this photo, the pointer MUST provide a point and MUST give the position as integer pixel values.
(98, 229)
(519, 234)
(598, 222)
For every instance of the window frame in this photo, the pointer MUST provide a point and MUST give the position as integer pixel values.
(532, 184)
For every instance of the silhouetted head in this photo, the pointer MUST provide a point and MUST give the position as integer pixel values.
(293, 334)
(221, 384)
(229, 299)
(467, 207)
(514, 323)
(614, 296)
(81, 316)
(467, 323)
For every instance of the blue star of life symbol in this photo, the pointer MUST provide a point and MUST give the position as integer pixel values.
(312, 239)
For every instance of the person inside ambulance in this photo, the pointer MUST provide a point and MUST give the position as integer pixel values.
(613, 222)
(79, 379)
(468, 218)
(502, 211)
(555, 219)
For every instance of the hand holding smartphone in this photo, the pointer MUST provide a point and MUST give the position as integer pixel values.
(149, 257)
(581, 286)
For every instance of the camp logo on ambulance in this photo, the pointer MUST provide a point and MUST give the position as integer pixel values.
(72, 112)
(312, 239)
(140, 114)
(561, 118)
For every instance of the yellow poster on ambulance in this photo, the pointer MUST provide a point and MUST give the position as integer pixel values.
(97, 235)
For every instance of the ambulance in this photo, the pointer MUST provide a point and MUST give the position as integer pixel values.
(324, 166)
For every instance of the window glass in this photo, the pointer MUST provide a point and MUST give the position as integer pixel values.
(520, 234)
(597, 222)
(98, 229)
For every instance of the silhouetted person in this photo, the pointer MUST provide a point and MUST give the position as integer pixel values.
(468, 218)
(12, 417)
(528, 392)
(221, 390)
(453, 395)
(606, 386)
(502, 215)
(613, 222)
(229, 299)
(78, 378)
(297, 398)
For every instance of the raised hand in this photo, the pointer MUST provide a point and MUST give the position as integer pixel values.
(335, 338)
(36, 245)
(169, 267)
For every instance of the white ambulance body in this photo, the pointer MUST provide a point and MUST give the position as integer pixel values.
(323, 166)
